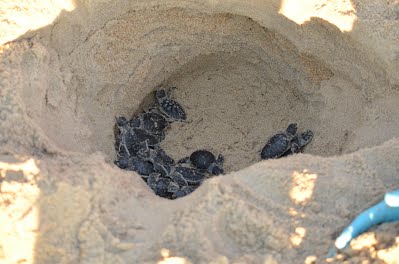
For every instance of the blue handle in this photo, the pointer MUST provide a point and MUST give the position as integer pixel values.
(383, 212)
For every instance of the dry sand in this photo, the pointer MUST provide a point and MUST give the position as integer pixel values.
(243, 71)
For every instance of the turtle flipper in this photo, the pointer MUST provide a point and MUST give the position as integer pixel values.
(305, 138)
(291, 130)
(215, 169)
(220, 160)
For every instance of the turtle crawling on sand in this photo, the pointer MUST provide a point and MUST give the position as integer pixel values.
(279, 143)
(286, 142)
(169, 107)
(204, 160)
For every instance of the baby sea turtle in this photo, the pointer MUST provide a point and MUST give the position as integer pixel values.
(142, 135)
(183, 191)
(173, 187)
(279, 143)
(129, 140)
(152, 122)
(204, 160)
(167, 188)
(186, 176)
(159, 184)
(299, 142)
(162, 162)
(136, 164)
(172, 109)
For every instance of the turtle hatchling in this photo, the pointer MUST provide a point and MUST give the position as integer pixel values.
(152, 122)
(204, 160)
(136, 164)
(142, 135)
(183, 191)
(130, 140)
(162, 162)
(172, 109)
(279, 143)
(159, 184)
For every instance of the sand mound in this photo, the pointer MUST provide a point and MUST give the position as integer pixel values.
(243, 72)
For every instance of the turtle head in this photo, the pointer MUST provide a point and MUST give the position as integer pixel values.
(121, 121)
(291, 129)
(215, 169)
(161, 94)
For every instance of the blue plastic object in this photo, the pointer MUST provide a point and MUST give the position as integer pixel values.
(383, 212)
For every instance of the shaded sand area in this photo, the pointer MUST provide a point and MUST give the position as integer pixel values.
(243, 71)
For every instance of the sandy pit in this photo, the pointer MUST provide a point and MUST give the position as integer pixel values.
(243, 71)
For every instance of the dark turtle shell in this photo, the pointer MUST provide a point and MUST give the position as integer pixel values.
(154, 123)
(140, 166)
(163, 157)
(162, 162)
(173, 187)
(141, 136)
(170, 107)
(279, 143)
(163, 169)
(276, 146)
(159, 184)
(160, 188)
(202, 159)
(184, 191)
(178, 178)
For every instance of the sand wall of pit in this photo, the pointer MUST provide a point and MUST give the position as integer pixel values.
(243, 71)
(241, 76)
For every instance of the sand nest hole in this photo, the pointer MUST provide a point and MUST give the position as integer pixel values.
(238, 82)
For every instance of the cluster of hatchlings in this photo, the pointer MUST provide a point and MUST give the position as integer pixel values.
(138, 149)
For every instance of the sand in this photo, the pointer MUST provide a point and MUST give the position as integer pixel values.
(243, 71)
